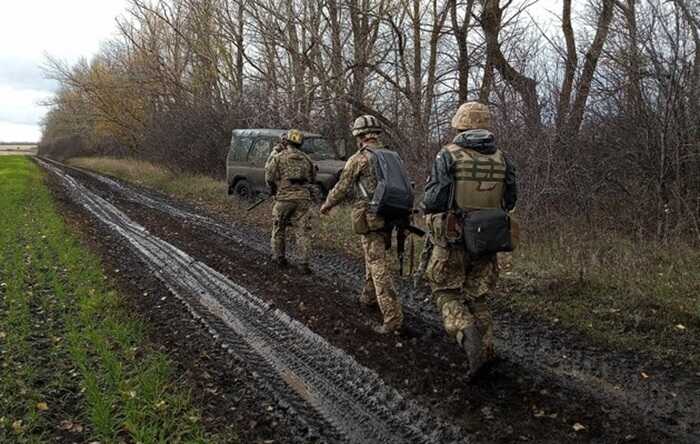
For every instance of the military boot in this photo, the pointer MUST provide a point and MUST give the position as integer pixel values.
(470, 340)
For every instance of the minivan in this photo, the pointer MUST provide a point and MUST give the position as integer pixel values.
(250, 148)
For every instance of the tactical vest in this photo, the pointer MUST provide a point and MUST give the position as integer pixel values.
(294, 166)
(479, 178)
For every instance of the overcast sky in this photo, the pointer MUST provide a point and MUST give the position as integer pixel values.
(66, 29)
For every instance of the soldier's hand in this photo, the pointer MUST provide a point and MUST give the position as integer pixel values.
(325, 208)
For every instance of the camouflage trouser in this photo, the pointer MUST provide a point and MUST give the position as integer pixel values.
(294, 214)
(460, 286)
(379, 285)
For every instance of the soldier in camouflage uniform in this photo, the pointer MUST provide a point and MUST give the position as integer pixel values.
(290, 173)
(360, 175)
(468, 174)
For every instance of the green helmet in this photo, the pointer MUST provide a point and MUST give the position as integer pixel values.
(472, 115)
(295, 137)
(366, 124)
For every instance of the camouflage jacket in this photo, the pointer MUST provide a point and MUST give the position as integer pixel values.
(276, 176)
(358, 170)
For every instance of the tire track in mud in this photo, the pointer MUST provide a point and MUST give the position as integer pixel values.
(354, 400)
(669, 402)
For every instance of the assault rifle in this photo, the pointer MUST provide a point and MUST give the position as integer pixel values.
(257, 203)
(403, 229)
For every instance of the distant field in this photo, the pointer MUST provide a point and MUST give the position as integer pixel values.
(15, 149)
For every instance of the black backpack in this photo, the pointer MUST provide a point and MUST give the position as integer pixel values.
(393, 197)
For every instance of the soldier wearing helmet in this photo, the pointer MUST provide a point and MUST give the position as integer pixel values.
(468, 174)
(289, 173)
(359, 175)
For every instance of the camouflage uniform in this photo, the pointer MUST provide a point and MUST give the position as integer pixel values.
(469, 174)
(379, 286)
(423, 260)
(292, 200)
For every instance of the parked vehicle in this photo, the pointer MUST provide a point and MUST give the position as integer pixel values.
(250, 148)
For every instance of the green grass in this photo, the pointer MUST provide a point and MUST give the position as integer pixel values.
(622, 294)
(75, 364)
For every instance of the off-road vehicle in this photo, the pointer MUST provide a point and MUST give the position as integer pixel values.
(250, 148)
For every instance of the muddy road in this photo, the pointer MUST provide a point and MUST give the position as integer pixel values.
(302, 348)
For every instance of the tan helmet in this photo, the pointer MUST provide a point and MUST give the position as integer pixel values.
(472, 115)
(366, 124)
(295, 137)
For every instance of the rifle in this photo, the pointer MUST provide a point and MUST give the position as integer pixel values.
(259, 202)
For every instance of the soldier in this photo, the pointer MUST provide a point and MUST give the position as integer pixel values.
(360, 175)
(468, 174)
(289, 173)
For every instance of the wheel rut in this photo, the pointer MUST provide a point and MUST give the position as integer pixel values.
(320, 382)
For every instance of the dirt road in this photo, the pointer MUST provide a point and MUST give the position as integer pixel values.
(304, 344)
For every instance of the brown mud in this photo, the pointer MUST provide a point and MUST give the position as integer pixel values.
(509, 402)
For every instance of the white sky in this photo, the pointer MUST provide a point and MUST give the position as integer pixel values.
(67, 30)
(29, 29)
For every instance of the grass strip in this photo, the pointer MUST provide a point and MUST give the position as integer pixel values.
(75, 364)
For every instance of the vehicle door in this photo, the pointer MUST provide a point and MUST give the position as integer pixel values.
(237, 160)
(257, 157)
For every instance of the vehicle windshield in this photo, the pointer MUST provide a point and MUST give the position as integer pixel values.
(318, 148)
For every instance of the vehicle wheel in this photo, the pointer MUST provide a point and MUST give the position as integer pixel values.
(243, 190)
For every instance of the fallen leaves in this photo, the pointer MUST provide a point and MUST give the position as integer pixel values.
(42, 406)
(70, 426)
(578, 427)
(488, 412)
(680, 327)
(17, 426)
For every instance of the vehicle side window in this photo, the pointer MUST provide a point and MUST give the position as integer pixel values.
(260, 152)
(240, 148)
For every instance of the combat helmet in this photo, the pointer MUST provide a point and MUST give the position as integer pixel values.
(366, 124)
(472, 115)
(295, 137)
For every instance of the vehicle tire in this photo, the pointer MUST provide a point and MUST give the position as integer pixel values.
(243, 190)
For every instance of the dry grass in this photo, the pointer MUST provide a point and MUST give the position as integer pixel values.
(624, 294)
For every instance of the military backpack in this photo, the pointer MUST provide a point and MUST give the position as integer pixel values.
(393, 195)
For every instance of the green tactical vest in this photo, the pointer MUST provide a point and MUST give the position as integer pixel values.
(479, 178)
